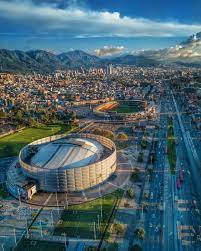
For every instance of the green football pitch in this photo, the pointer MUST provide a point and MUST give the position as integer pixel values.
(10, 145)
(124, 107)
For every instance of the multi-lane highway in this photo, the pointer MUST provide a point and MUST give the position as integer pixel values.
(187, 197)
(173, 219)
(158, 228)
(188, 218)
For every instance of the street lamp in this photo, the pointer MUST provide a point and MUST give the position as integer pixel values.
(57, 204)
(52, 218)
(18, 190)
(67, 200)
(94, 230)
(65, 240)
(41, 230)
(15, 239)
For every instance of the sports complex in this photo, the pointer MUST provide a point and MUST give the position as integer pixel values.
(120, 108)
(62, 163)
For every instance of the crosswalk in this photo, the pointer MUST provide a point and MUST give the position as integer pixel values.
(186, 233)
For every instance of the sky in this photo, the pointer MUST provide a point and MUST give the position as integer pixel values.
(101, 27)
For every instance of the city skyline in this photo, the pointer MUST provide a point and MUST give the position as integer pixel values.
(100, 125)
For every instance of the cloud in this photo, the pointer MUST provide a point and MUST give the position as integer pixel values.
(74, 21)
(109, 50)
(190, 50)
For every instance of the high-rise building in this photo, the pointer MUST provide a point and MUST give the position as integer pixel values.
(110, 69)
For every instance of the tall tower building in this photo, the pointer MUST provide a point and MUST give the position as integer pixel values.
(110, 70)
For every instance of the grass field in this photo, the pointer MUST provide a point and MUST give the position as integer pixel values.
(11, 144)
(128, 108)
(78, 221)
(35, 245)
(171, 147)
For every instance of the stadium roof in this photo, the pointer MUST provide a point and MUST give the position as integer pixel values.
(67, 153)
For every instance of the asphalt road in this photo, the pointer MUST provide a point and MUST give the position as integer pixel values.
(158, 227)
(173, 220)
(186, 199)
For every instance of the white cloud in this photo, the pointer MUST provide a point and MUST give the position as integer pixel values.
(109, 50)
(76, 22)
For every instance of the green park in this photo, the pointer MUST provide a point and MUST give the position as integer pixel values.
(88, 220)
(10, 145)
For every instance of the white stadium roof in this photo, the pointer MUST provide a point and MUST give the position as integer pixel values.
(67, 153)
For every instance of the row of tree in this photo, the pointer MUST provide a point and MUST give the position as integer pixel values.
(35, 118)
(109, 134)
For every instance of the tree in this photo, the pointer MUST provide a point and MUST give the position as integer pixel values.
(135, 176)
(122, 136)
(130, 193)
(140, 157)
(97, 131)
(118, 228)
(33, 122)
(140, 233)
(108, 134)
(19, 116)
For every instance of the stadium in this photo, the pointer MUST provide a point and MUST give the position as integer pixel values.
(62, 164)
(120, 108)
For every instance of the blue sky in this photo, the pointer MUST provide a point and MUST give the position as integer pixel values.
(102, 27)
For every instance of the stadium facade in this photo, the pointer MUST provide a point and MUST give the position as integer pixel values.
(63, 164)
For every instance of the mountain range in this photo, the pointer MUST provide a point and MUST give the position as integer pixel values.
(186, 53)
(44, 62)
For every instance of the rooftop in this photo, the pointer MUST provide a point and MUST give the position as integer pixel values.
(67, 153)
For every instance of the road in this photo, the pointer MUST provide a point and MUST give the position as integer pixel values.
(186, 198)
(173, 220)
(194, 163)
(160, 208)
